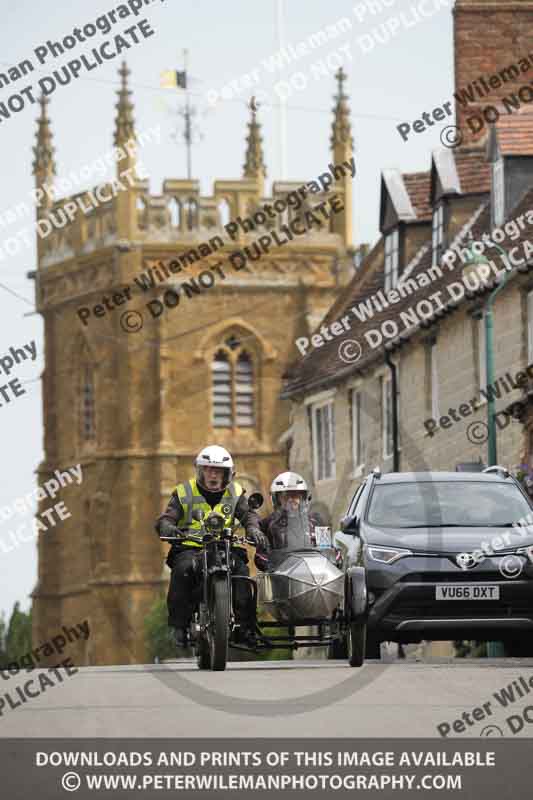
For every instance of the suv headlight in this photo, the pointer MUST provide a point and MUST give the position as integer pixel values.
(386, 555)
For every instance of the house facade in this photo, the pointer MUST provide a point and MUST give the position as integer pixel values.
(416, 311)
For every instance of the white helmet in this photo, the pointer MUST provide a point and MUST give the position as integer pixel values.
(214, 456)
(288, 482)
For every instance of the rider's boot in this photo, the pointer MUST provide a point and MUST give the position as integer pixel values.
(180, 637)
(249, 635)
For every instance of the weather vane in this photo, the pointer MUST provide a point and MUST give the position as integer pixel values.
(171, 79)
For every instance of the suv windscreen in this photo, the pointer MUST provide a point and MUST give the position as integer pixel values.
(446, 503)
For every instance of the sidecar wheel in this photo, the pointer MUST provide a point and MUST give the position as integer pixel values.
(356, 641)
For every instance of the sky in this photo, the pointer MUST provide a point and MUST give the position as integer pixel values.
(391, 79)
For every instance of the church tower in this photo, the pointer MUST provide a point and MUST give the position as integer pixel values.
(156, 345)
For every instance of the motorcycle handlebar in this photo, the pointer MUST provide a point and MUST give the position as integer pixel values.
(184, 534)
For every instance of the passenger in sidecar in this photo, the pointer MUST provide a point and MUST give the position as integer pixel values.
(300, 582)
(289, 527)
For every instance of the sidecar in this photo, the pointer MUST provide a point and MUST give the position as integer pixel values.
(304, 593)
(301, 585)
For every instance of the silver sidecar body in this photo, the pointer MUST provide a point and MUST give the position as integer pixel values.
(302, 586)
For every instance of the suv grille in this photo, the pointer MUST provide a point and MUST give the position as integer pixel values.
(457, 608)
(458, 576)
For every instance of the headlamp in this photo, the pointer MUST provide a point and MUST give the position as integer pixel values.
(214, 523)
(386, 555)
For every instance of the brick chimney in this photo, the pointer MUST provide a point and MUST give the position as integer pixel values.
(490, 36)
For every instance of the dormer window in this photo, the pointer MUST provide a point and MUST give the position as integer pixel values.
(392, 259)
(437, 236)
(498, 193)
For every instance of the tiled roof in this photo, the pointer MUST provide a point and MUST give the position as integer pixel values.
(473, 169)
(324, 366)
(418, 186)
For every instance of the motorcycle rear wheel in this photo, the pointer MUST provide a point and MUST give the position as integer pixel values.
(219, 614)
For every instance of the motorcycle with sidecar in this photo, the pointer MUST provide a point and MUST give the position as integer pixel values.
(301, 587)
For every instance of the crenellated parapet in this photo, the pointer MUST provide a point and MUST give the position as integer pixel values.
(180, 213)
(76, 232)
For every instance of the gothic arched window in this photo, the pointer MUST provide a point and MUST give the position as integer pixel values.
(87, 405)
(222, 406)
(232, 372)
(244, 391)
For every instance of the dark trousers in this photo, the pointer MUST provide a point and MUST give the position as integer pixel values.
(185, 589)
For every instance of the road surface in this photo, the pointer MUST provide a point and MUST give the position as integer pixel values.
(406, 698)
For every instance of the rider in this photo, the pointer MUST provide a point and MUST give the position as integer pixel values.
(213, 489)
(290, 501)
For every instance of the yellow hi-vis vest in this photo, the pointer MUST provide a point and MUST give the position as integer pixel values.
(190, 499)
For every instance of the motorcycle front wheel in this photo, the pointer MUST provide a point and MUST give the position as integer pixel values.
(203, 655)
(219, 615)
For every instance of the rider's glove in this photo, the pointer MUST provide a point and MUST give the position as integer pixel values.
(261, 561)
(167, 529)
(258, 538)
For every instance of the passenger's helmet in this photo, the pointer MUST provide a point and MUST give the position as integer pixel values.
(288, 482)
(214, 456)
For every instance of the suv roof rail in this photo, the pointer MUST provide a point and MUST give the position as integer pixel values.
(499, 470)
(376, 472)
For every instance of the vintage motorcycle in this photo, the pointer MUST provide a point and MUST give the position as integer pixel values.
(214, 621)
